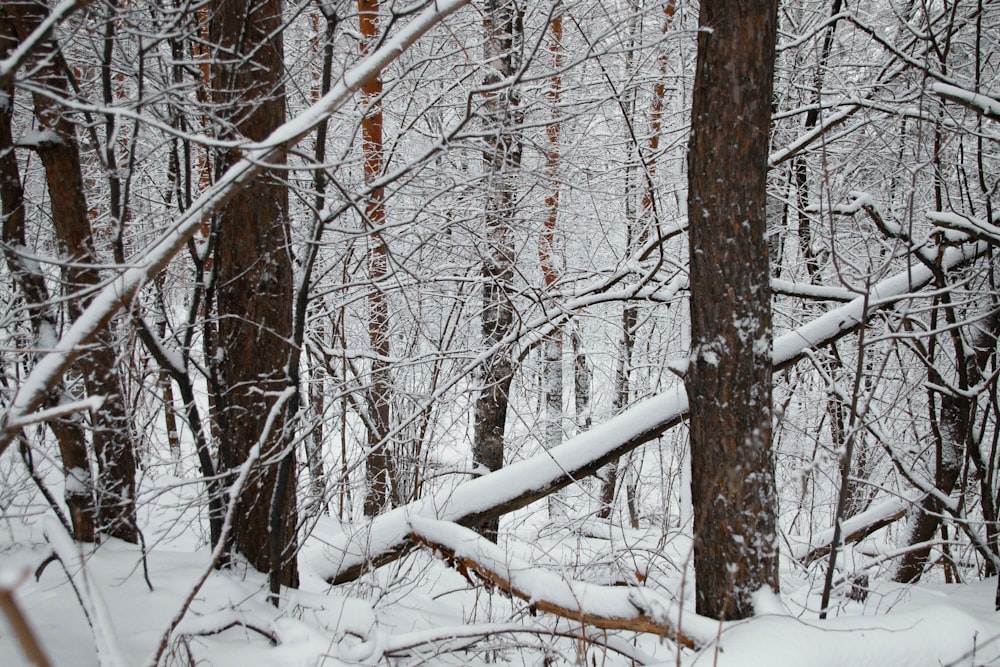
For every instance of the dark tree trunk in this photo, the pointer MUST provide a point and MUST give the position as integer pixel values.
(503, 27)
(729, 378)
(253, 281)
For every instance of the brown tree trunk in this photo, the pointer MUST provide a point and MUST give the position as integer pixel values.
(60, 156)
(502, 24)
(253, 280)
(69, 432)
(729, 377)
(552, 347)
(382, 487)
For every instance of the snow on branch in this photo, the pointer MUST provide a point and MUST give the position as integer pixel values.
(856, 528)
(386, 537)
(862, 201)
(982, 104)
(155, 257)
(957, 228)
(605, 607)
(27, 46)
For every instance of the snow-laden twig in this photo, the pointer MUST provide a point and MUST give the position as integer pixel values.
(88, 404)
(157, 255)
(109, 654)
(384, 539)
(234, 491)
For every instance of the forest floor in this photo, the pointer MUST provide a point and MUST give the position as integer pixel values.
(420, 611)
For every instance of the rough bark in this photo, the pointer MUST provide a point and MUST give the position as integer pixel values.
(60, 156)
(729, 377)
(503, 27)
(253, 279)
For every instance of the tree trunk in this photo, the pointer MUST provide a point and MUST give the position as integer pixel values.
(729, 377)
(69, 432)
(382, 485)
(60, 157)
(253, 279)
(504, 31)
(552, 348)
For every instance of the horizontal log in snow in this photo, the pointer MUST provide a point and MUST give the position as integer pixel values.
(385, 538)
(856, 528)
(606, 607)
(120, 290)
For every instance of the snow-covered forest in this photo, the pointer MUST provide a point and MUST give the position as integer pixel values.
(490, 331)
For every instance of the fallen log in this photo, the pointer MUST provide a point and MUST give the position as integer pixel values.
(635, 609)
(385, 538)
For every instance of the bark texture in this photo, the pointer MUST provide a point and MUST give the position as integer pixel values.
(253, 280)
(729, 377)
(503, 27)
(98, 368)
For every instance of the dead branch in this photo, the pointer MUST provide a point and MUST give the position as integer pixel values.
(604, 607)
(22, 630)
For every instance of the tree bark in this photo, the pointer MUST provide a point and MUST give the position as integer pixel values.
(253, 280)
(382, 486)
(729, 377)
(504, 30)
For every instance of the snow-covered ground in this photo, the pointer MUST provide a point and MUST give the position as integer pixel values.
(99, 610)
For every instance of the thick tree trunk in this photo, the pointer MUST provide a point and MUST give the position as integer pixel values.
(729, 377)
(253, 283)
(504, 31)
(112, 434)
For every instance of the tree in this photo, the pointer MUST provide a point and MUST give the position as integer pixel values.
(504, 32)
(111, 438)
(252, 283)
(729, 376)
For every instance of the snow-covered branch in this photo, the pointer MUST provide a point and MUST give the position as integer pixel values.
(385, 538)
(984, 105)
(607, 607)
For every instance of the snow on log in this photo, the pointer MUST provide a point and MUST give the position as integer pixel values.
(154, 258)
(606, 607)
(855, 529)
(385, 538)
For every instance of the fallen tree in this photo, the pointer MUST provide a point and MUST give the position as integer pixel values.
(606, 607)
(386, 537)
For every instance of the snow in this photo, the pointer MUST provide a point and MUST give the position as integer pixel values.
(157, 255)
(988, 106)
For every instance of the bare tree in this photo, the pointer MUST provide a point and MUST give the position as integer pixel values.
(504, 33)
